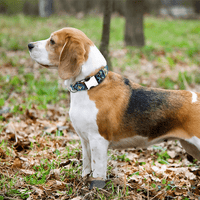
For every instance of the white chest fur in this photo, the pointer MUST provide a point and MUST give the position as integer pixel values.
(83, 113)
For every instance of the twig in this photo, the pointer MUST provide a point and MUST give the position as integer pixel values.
(124, 188)
(185, 82)
(88, 194)
(148, 191)
(100, 189)
(13, 127)
(159, 193)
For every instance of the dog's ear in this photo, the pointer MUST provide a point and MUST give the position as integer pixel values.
(72, 58)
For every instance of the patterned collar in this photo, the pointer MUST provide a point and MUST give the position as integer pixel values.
(90, 82)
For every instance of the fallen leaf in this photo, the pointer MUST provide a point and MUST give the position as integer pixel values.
(2, 154)
(17, 163)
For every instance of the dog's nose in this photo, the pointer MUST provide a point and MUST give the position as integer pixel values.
(30, 46)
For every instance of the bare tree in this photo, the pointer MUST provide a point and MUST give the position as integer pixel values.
(134, 35)
(196, 6)
(45, 8)
(106, 31)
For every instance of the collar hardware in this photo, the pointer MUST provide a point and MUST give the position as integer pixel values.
(90, 82)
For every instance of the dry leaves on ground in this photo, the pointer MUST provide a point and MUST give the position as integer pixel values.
(40, 158)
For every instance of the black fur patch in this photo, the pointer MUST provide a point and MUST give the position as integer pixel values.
(149, 112)
(126, 81)
(142, 100)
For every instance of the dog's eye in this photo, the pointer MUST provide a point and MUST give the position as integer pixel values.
(52, 41)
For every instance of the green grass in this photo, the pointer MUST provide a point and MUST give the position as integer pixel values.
(173, 33)
(159, 33)
(41, 173)
(38, 91)
(4, 146)
(8, 186)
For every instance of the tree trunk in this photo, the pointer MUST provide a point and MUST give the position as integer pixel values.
(134, 35)
(196, 6)
(45, 8)
(106, 31)
(66, 6)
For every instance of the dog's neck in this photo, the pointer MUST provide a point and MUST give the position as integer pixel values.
(95, 61)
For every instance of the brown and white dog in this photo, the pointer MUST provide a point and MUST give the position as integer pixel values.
(116, 113)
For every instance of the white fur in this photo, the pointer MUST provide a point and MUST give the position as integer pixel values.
(195, 141)
(40, 54)
(135, 142)
(83, 114)
(130, 142)
(194, 97)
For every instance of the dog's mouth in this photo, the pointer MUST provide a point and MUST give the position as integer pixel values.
(48, 66)
(37, 61)
(43, 65)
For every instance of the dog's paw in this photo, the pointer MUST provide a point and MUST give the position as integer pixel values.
(97, 183)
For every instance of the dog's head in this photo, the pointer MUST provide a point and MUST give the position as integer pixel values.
(67, 49)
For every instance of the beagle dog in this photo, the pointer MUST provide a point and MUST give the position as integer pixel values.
(110, 111)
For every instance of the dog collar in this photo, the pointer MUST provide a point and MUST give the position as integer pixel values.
(90, 82)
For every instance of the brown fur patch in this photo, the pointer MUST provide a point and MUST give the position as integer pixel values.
(111, 99)
(69, 52)
(177, 133)
(192, 120)
(127, 109)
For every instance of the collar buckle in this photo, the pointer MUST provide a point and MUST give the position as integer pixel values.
(92, 82)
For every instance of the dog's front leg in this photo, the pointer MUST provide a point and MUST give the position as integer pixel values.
(86, 157)
(98, 147)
